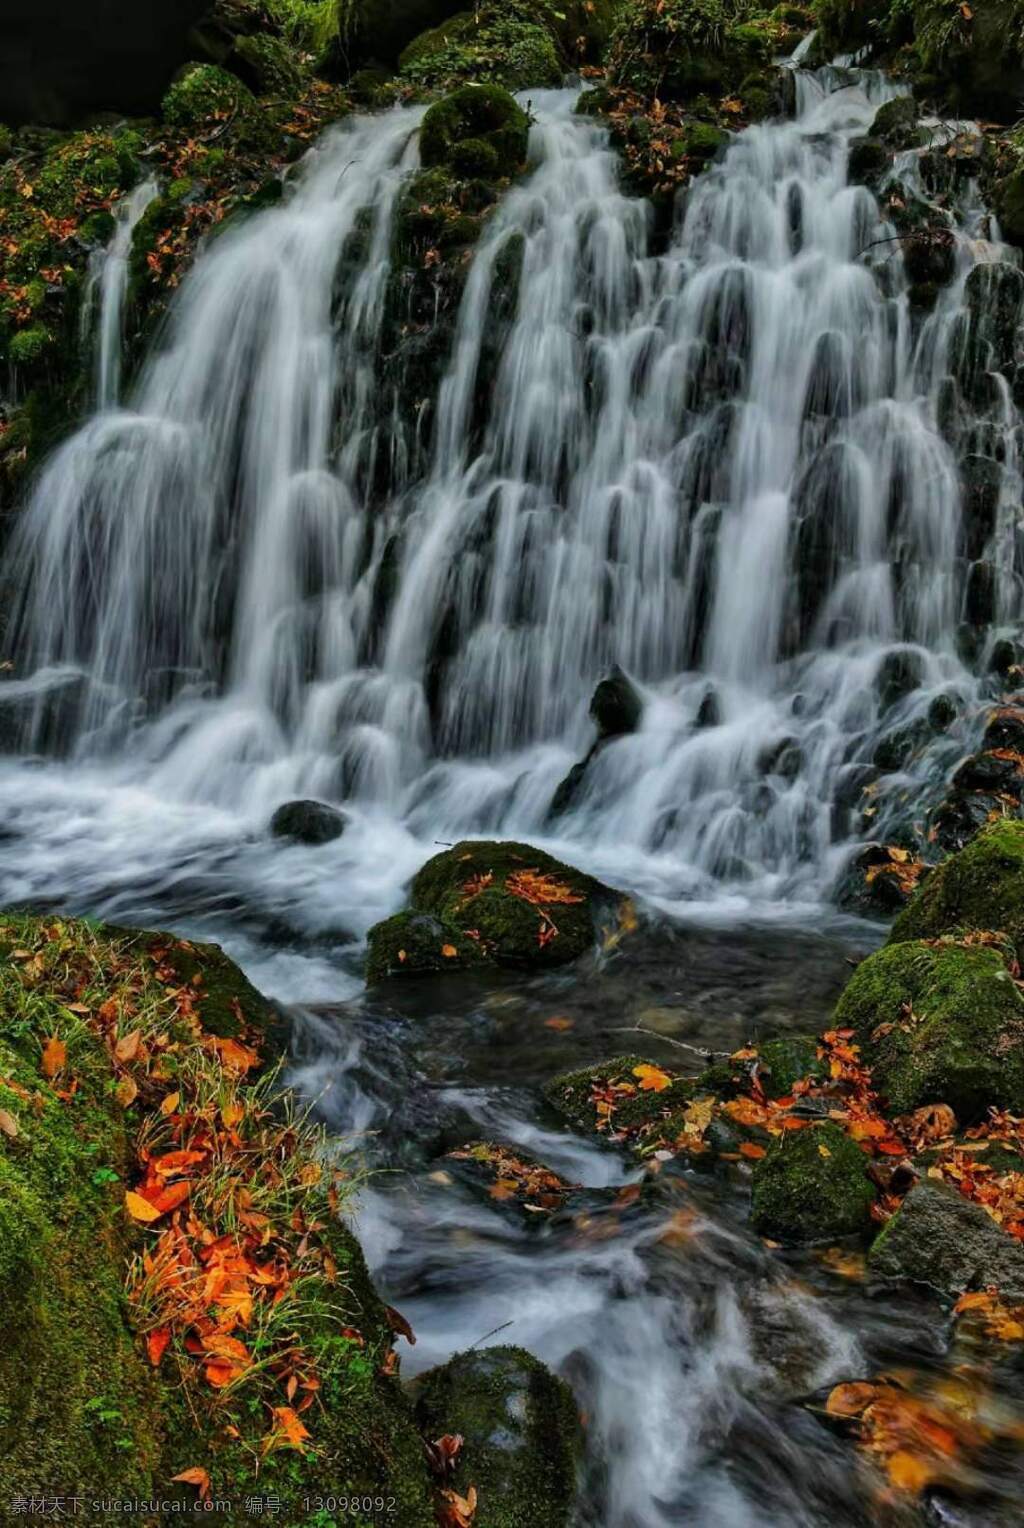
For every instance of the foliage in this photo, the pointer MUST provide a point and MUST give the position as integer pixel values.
(505, 42)
(681, 48)
(484, 119)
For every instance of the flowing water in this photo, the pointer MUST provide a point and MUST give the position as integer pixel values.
(713, 458)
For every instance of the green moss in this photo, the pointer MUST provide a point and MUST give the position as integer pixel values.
(276, 67)
(468, 887)
(636, 1113)
(472, 122)
(679, 49)
(504, 43)
(29, 345)
(415, 944)
(6, 142)
(204, 93)
(521, 1434)
(979, 888)
(811, 1186)
(702, 140)
(939, 1022)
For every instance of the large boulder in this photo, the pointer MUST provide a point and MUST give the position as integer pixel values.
(501, 42)
(59, 61)
(812, 1185)
(513, 904)
(980, 889)
(520, 1430)
(477, 130)
(939, 1021)
(947, 1244)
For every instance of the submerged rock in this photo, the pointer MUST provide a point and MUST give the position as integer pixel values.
(812, 1186)
(980, 889)
(520, 1430)
(483, 902)
(939, 1021)
(308, 822)
(948, 1244)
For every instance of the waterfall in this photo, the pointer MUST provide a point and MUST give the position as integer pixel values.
(724, 463)
(105, 292)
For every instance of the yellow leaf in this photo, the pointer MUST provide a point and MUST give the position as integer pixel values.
(126, 1092)
(652, 1078)
(232, 1114)
(823, 1151)
(170, 1103)
(908, 1471)
(449, 951)
(139, 1208)
(8, 1124)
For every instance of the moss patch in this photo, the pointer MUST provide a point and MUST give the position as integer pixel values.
(417, 944)
(477, 130)
(504, 42)
(812, 1186)
(521, 1435)
(608, 1099)
(980, 888)
(939, 1022)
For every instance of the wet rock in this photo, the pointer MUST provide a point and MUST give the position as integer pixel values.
(42, 715)
(896, 123)
(616, 706)
(940, 1021)
(709, 712)
(874, 884)
(1004, 658)
(895, 750)
(979, 889)
(417, 944)
(811, 1186)
(568, 789)
(477, 130)
(960, 817)
(1005, 729)
(947, 1244)
(608, 1099)
(980, 595)
(520, 1431)
(870, 160)
(990, 772)
(498, 903)
(898, 675)
(308, 822)
(981, 478)
(987, 340)
(942, 713)
(783, 758)
(510, 1176)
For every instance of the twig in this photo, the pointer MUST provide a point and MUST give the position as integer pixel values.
(493, 1333)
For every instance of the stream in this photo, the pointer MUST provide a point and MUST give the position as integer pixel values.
(198, 584)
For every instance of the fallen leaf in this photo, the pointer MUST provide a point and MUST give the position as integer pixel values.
(559, 1022)
(196, 1477)
(851, 1399)
(127, 1048)
(170, 1103)
(449, 951)
(156, 1344)
(8, 1124)
(139, 1208)
(54, 1057)
(652, 1078)
(288, 1432)
(752, 1150)
(126, 1092)
(458, 1511)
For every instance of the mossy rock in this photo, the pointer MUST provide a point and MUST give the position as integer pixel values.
(523, 906)
(476, 123)
(636, 1112)
(202, 93)
(521, 1433)
(780, 1063)
(939, 1022)
(947, 1244)
(276, 68)
(417, 944)
(812, 1186)
(980, 888)
(686, 48)
(502, 43)
(702, 140)
(896, 123)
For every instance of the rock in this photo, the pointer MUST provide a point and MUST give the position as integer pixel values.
(811, 1186)
(496, 45)
(679, 53)
(942, 713)
(982, 479)
(895, 749)
(568, 789)
(779, 1064)
(961, 815)
(709, 712)
(979, 889)
(896, 123)
(1005, 729)
(59, 62)
(980, 595)
(870, 160)
(990, 772)
(783, 758)
(636, 1115)
(874, 883)
(987, 338)
(43, 715)
(510, 1176)
(1004, 657)
(616, 706)
(474, 123)
(504, 904)
(946, 1243)
(308, 822)
(417, 944)
(939, 1022)
(898, 675)
(520, 1431)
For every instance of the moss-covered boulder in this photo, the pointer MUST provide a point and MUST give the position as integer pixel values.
(979, 889)
(681, 49)
(502, 903)
(939, 1022)
(418, 944)
(520, 1430)
(511, 1177)
(623, 1099)
(503, 42)
(812, 1185)
(947, 1244)
(777, 1064)
(477, 130)
(204, 92)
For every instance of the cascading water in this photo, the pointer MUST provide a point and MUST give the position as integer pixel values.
(728, 464)
(719, 466)
(108, 284)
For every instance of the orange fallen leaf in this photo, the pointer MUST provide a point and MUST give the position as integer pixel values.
(910, 1472)
(156, 1344)
(752, 1150)
(449, 951)
(458, 1511)
(234, 1056)
(55, 1056)
(288, 1431)
(652, 1078)
(196, 1477)
(559, 1022)
(127, 1048)
(851, 1399)
(170, 1103)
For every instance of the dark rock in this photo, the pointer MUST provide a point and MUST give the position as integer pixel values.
(783, 758)
(947, 1244)
(709, 712)
(1005, 730)
(987, 339)
(520, 1431)
(417, 944)
(981, 889)
(485, 117)
(980, 595)
(898, 675)
(896, 123)
(982, 478)
(871, 885)
(942, 713)
(568, 789)
(989, 772)
(961, 816)
(870, 159)
(895, 749)
(812, 1186)
(308, 822)
(616, 706)
(44, 714)
(1004, 657)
